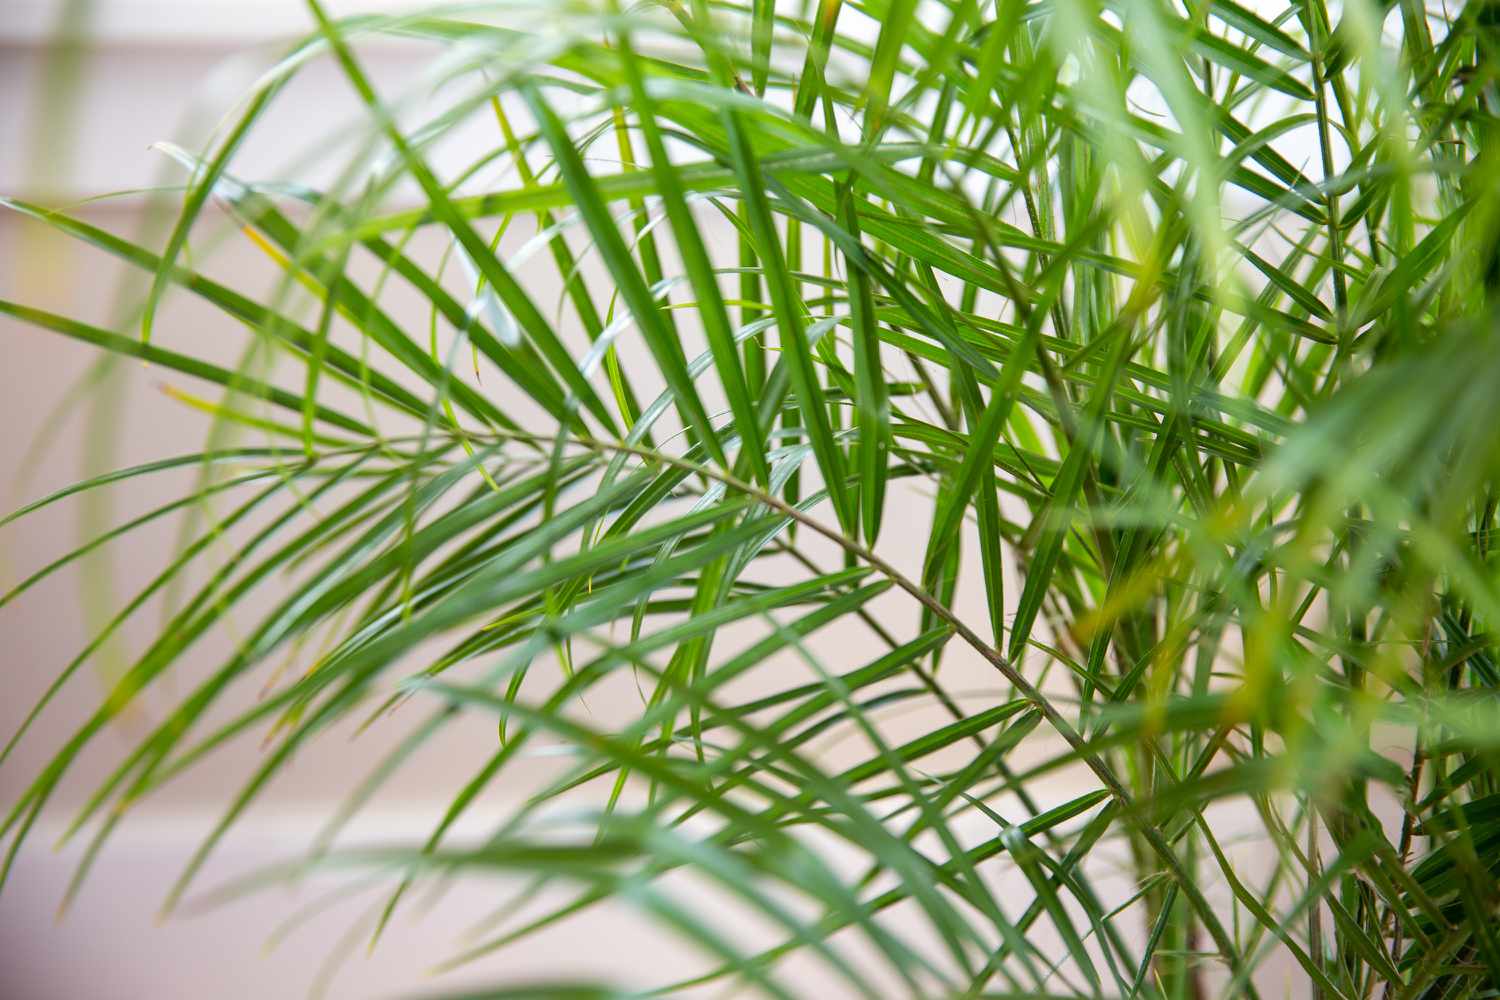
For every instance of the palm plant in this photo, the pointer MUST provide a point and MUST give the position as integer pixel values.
(1026, 473)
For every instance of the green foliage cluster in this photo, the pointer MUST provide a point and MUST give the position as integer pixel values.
(1140, 352)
